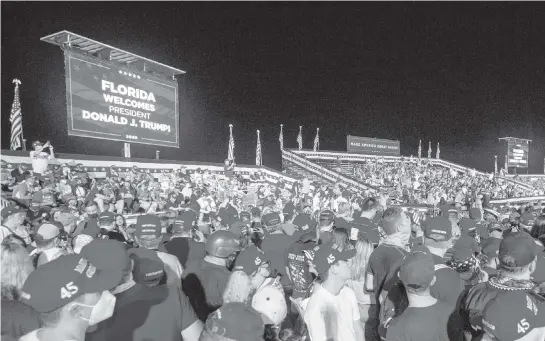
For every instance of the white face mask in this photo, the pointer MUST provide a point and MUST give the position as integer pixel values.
(102, 310)
(259, 277)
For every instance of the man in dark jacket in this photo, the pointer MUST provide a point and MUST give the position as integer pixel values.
(517, 260)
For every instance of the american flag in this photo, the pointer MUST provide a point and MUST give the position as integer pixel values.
(495, 164)
(438, 151)
(419, 149)
(16, 119)
(317, 140)
(300, 138)
(231, 152)
(281, 138)
(258, 151)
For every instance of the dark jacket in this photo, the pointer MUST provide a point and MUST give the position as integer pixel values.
(475, 299)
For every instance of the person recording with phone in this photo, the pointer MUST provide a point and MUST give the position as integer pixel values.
(40, 159)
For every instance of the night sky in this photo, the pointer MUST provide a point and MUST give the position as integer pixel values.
(461, 74)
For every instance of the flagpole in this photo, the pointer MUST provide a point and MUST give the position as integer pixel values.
(300, 138)
(495, 164)
(317, 140)
(16, 119)
(258, 151)
(23, 140)
(281, 138)
(231, 150)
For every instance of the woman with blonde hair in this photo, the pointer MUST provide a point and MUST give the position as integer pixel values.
(18, 319)
(238, 288)
(341, 239)
(250, 271)
(250, 284)
(16, 266)
(366, 301)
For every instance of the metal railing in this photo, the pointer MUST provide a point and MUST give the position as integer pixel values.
(342, 156)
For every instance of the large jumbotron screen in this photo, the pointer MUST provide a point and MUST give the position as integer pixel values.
(112, 102)
(517, 154)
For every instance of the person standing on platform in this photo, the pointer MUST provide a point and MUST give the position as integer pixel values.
(229, 168)
(40, 159)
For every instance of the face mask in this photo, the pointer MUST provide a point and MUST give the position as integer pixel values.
(102, 310)
(533, 267)
(93, 216)
(231, 260)
(257, 280)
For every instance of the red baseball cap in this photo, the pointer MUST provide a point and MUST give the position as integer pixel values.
(148, 267)
(467, 225)
(491, 247)
(517, 250)
(271, 219)
(417, 269)
(438, 228)
(148, 226)
(236, 321)
(107, 254)
(10, 210)
(106, 218)
(249, 260)
(327, 215)
(56, 283)
(528, 219)
(328, 254)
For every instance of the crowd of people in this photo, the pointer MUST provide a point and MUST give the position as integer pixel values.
(307, 261)
(537, 182)
(426, 183)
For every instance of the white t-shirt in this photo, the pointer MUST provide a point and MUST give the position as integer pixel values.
(48, 255)
(329, 317)
(173, 268)
(187, 192)
(316, 203)
(306, 186)
(39, 161)
(359, 291)
(337, 202)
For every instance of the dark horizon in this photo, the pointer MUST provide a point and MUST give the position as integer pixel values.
(461, 74)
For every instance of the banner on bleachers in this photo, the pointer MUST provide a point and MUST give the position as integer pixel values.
(367, 145)
(111, 102)
(517, 153)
